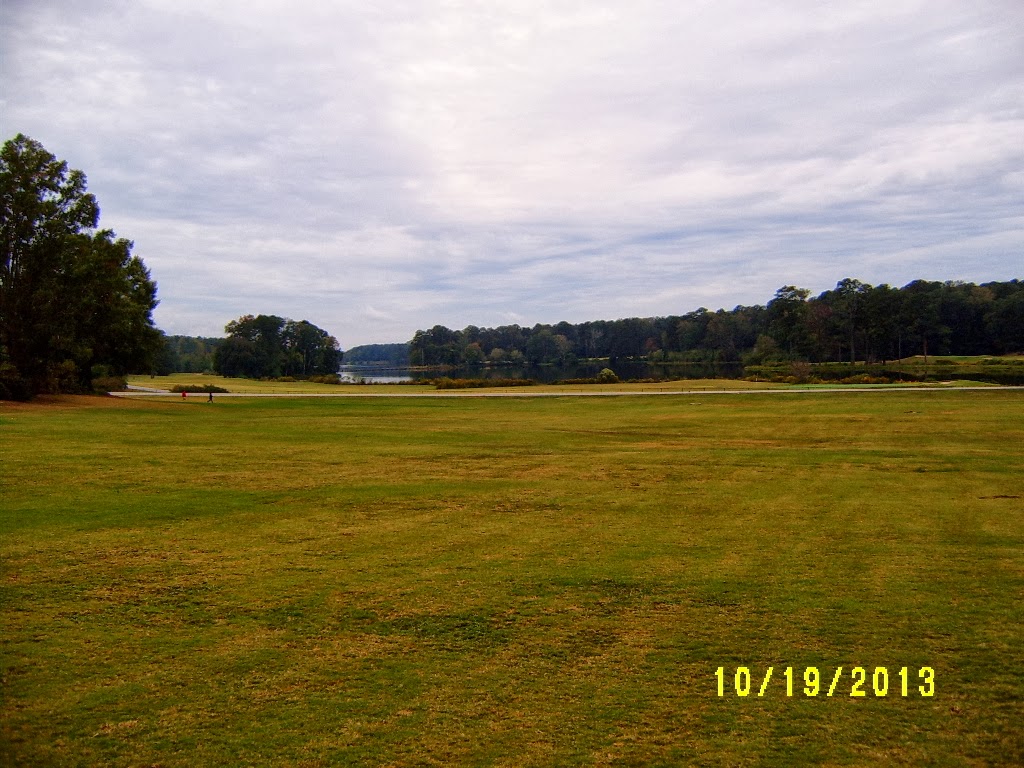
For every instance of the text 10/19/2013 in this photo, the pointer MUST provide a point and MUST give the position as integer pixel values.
(742, 682)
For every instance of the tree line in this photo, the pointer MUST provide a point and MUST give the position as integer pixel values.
(75, 304)
(76, 308)
(196, 354)
(186, 354)
(268, 346)
(395, 355)
(853, 322)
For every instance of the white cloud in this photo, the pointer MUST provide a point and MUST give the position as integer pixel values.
(378, 168)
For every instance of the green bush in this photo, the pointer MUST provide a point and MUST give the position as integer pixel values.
(197, 389)
(865, 379)
(12, 385)
(607, 376)
(103, 384)
(446, 383)
(62, 377)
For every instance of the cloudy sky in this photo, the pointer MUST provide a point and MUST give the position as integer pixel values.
(382, 167)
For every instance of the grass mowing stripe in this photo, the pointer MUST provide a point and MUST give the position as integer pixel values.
(509, 581)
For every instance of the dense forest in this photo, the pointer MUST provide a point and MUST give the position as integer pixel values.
(853, 322)
(197, 354)
(187, 354)
(268, 346)
(261, 346)
(395, 355)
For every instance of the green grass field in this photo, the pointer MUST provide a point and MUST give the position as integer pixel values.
(255, 386)
(514, 582)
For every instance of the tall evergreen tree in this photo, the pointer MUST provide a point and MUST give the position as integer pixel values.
(73, 300)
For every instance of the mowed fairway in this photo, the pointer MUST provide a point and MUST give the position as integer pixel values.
(517, 582)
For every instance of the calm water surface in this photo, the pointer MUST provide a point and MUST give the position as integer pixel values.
(545, 373)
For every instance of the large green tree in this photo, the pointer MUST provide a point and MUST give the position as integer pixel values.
(74, 301)
(309, 350)
(267, 346)
(787, 320)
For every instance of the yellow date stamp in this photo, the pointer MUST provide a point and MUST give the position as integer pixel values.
(855, 681)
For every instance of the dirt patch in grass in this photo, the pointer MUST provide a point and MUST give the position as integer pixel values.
(51, 403)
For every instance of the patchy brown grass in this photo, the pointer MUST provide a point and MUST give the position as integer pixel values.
(508, 582)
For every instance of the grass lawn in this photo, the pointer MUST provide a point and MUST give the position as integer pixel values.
(515, 582)
(255, 386)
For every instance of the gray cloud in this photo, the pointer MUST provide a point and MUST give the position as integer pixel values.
(383, 168)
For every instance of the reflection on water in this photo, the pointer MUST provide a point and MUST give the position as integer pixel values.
(545, 374)
(369, 376)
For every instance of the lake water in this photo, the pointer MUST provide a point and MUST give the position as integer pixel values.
(545, 374)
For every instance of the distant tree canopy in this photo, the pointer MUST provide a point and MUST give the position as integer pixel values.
(74, 303)
(187, 354)
(268, 346)
(852, 322)
(378, 354)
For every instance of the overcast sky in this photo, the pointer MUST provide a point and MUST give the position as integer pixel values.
(380, 167)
